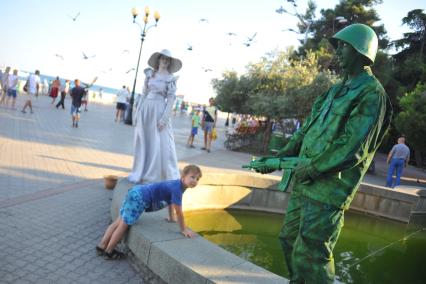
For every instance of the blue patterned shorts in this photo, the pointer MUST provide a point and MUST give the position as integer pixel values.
(133, 206)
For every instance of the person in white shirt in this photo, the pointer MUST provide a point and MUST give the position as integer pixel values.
(122, 98)
(12, 86)
(33, 87)
(4, 84)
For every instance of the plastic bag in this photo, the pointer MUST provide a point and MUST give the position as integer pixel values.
(214, 134)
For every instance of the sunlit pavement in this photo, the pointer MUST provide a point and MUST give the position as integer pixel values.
(53, 206)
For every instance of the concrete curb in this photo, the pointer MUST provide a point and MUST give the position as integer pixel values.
(160, 250)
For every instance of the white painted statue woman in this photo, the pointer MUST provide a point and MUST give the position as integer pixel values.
(154, 146)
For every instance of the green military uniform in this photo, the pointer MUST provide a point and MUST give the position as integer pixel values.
(338, 139)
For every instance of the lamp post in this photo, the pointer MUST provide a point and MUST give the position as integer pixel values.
(144, 30)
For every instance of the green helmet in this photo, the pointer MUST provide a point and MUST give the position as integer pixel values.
(361, 37)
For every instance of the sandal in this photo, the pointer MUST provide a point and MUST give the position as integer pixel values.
(114, 255)
(99, 251)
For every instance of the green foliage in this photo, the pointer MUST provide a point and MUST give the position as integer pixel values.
(277, 86)
(410, 61)
(411, 121)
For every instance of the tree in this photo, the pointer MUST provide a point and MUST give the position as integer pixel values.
(277, 87)
(411, 121)
(318, 31)
(411, 60)
(232, 92)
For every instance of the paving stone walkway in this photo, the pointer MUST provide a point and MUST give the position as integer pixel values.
(53, 205)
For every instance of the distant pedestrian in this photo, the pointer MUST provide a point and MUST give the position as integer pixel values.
(33, 87)
(234, 119)
(54, 90)
(64, 91)
(208, 123)
(85, 99)
(100, 93)
(122, 99)
(77, 94)
(12, 88)
(194, 128)
(397, 159)
(149, 197)
(4, 84)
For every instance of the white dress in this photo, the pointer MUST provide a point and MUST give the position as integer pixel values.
(154, 150)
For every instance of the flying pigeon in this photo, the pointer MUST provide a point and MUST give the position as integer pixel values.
(87, 57)
(250, 39)
(280, 10)
(75, 17)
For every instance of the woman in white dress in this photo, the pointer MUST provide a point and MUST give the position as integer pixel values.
(154, 148)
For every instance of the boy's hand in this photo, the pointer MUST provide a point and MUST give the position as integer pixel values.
(188, 233)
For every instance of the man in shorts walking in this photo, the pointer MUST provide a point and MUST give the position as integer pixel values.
(77, 94)
(33, 87)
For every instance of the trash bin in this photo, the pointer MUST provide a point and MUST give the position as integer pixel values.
(276, 142)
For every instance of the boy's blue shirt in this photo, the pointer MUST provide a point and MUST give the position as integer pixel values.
(160, 194)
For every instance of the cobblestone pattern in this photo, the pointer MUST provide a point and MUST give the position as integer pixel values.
(53, 208)
(53, 239)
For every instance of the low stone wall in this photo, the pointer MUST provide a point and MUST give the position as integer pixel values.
(164, 255)
(257, 192)
(401, 204)
(160, 249)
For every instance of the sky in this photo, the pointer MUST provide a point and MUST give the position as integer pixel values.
(42, 35)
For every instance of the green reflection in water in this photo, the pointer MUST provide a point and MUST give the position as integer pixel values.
(253, 236)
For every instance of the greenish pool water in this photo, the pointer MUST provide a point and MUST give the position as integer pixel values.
(253, 236)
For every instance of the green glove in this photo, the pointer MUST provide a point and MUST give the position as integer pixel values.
(265, 169)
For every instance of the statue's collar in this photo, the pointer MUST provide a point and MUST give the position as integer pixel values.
(359, 79)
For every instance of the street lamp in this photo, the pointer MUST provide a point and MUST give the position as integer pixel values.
(144, 30)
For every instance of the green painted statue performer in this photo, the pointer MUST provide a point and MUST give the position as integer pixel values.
(326, 159)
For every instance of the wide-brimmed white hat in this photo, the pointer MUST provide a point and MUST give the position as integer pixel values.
(174, 66)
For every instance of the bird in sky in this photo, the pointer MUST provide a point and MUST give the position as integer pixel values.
(131, 69)
(75, 17)
(207, 69)
(203, 20)
(59, 56)
(126, 51)
(189, 47)
(290, 30)
(87, 57)
(250, 39)
(280, 10)
(107, 71)
(292, 2)
(230, 34)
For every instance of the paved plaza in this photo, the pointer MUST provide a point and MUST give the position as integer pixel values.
(53, 205)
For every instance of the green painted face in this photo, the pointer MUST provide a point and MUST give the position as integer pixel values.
(347, 56)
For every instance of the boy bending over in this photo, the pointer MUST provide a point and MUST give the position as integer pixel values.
(149, 197)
